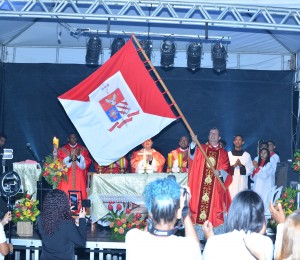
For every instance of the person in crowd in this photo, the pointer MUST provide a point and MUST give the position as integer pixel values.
(57, 227)
(274, 157)
(78, 160)
(209, 199)
(263, 176)
(287, 244)
(246, 225)
(5, 247)
(114, 167)
(147, 160)
(165, 204)
(183, 150)
(241, 166)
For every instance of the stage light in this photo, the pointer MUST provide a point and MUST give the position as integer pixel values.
(93, 50)
(147, 46)
(167, 50)
(116, 45)
(219, 55)
(194, 52)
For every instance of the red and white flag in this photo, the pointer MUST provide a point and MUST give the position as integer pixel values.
(117, 107)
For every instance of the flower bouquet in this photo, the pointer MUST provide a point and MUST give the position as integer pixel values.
(54, 171)
(288, 202)
(122, 220)
(296, 161)
(25, 209)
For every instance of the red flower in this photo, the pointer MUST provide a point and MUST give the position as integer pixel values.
(54, 178)
(129, 225)
(128, 211)
(138, 215)
(296, 167)
(110, 207)
(46, 173)
(119, 207)
(27, 196)
(18, 214)
(119, 223)
(284, 195)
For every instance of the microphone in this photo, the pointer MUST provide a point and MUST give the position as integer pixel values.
(32, 152)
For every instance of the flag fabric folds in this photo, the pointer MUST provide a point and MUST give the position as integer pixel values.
(117, 107)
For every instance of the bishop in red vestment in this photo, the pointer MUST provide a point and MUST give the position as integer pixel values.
(147, 160)
(77, 159)
(209, 200)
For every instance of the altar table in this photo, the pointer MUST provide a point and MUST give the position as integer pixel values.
(29, 174)
(122, 188)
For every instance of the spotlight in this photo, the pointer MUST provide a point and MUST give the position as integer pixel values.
(116, 45)
(194, 52)
(167, 50)
(93, 50)
(147, 46)
(219, 56)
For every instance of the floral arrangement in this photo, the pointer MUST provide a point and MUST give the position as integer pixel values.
(54, 171)
(25, 209)
(296, 161)
(122, 220)
(288, 202)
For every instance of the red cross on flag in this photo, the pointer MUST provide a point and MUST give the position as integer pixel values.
(117, 107)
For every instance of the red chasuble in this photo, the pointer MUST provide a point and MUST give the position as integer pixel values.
(209, 200)
(76, 177)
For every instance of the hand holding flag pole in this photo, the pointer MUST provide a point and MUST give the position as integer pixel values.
(177, 108)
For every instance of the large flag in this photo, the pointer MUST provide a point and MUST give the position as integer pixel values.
(117, 107)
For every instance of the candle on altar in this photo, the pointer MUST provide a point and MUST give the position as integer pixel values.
(170, 160)
(122, 163)
(180, 160)
(56, 142)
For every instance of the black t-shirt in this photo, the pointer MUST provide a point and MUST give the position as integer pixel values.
(61, 244)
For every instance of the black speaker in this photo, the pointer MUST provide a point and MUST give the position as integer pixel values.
(42, 189)
(281, 174)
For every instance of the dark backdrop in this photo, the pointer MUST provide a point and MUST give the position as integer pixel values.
(256, 104)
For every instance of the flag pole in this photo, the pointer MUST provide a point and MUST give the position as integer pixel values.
(177, 108)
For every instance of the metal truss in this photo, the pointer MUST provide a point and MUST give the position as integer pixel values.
(160, 12)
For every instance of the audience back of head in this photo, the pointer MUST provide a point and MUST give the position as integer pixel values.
(290, 248)
(246, 212)
(162, 199)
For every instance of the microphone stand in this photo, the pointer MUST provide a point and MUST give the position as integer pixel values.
(34, 155)
(9, 208)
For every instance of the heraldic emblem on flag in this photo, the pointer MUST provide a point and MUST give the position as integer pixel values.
(117, 107)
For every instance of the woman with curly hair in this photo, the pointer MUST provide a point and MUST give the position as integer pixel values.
(58, 229)
(165, 204)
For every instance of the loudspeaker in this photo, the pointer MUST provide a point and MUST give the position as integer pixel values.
(42, 189)
(281, 174)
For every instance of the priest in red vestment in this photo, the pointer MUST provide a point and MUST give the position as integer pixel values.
(77, 159)
(147, 160)
(183, 150)
(209, 200)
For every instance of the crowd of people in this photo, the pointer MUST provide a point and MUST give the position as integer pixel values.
(223, 188)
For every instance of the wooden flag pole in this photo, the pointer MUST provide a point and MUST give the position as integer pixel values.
(177, 108)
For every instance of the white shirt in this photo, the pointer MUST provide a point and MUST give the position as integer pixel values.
(230, 246)
(2, 239)
(143, 245)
